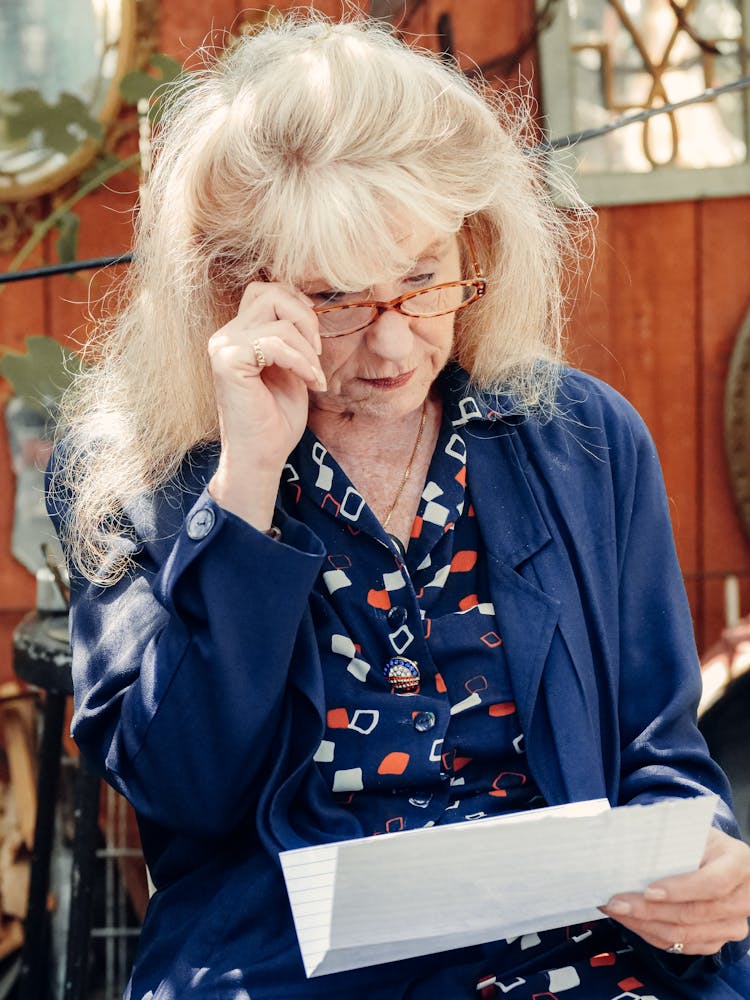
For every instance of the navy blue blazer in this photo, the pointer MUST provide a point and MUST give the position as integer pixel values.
(197, 678)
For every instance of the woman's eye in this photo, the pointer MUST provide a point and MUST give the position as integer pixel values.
(327, 298)
(421, 279)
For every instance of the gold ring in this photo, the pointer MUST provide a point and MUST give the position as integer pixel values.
(676, 949)
(260, 358)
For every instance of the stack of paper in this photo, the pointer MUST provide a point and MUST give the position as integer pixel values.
(379, 899)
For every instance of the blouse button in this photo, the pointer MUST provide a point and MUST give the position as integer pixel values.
(396, 615)
(424, 721)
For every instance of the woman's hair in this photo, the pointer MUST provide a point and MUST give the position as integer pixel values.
(302, 150)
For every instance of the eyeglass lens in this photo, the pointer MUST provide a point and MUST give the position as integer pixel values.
(429, 302)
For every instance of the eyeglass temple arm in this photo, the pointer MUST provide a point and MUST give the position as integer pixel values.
(478, 272)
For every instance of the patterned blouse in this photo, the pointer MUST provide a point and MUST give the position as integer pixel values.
(422, 727)
(451, 748)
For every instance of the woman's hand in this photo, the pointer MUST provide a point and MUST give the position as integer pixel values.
(702, 910)
(264, 361)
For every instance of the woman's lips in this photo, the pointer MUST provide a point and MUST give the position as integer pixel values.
(394, 382)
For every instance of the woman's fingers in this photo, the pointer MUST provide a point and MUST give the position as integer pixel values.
(265, 302)
(696, 939)
(233, 352)
(702, 910)
(688, 912)
(278, 352)
(725, 866)
(277, 320)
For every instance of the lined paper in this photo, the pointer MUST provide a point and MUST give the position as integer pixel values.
(380, 899)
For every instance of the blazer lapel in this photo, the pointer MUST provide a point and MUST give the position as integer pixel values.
(513, 531)
(552, 681)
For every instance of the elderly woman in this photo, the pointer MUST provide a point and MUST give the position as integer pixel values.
(353, 552)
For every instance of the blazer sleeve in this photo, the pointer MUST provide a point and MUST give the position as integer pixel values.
(662, 751)
(180, 670)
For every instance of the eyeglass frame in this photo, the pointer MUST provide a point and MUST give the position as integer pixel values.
(479, 282)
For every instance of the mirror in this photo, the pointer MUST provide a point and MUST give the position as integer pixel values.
(60, 66)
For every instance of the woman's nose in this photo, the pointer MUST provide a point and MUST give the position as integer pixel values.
(390, 335)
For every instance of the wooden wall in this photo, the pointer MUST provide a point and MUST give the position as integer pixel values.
(666, 295)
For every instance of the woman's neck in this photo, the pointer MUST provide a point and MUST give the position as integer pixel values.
(375, 453)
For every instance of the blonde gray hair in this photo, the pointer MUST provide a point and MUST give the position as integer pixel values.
(301, 150)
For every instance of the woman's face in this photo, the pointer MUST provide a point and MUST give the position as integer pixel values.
(386, 370)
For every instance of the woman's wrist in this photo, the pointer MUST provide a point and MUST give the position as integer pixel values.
(254, 500)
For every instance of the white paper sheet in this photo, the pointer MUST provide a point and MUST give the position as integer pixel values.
(379, 899)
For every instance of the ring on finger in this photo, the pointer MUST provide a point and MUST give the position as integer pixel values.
(676, 949)
(260, 358)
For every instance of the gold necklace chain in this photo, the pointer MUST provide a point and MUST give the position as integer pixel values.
(407, 471)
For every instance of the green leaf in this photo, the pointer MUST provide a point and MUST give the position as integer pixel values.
(41, 374)
(169, 68)
(23, 109)
(63, 126)
(138, 85)
(67, 244)
(75, 112)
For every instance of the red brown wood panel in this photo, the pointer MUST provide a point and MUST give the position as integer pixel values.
(8, 621)
(21, 305)
(106, 229)
(183, 28)
(331, 8)
(591, 338)
(650, 352)
(725, 299)
(483, 32)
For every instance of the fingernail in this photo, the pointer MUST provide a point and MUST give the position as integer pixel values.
(619, 906)
(321, 379)
(655, 894)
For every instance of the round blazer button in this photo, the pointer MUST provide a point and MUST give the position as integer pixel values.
(424, 721)
(200, 523)
(396, 616)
